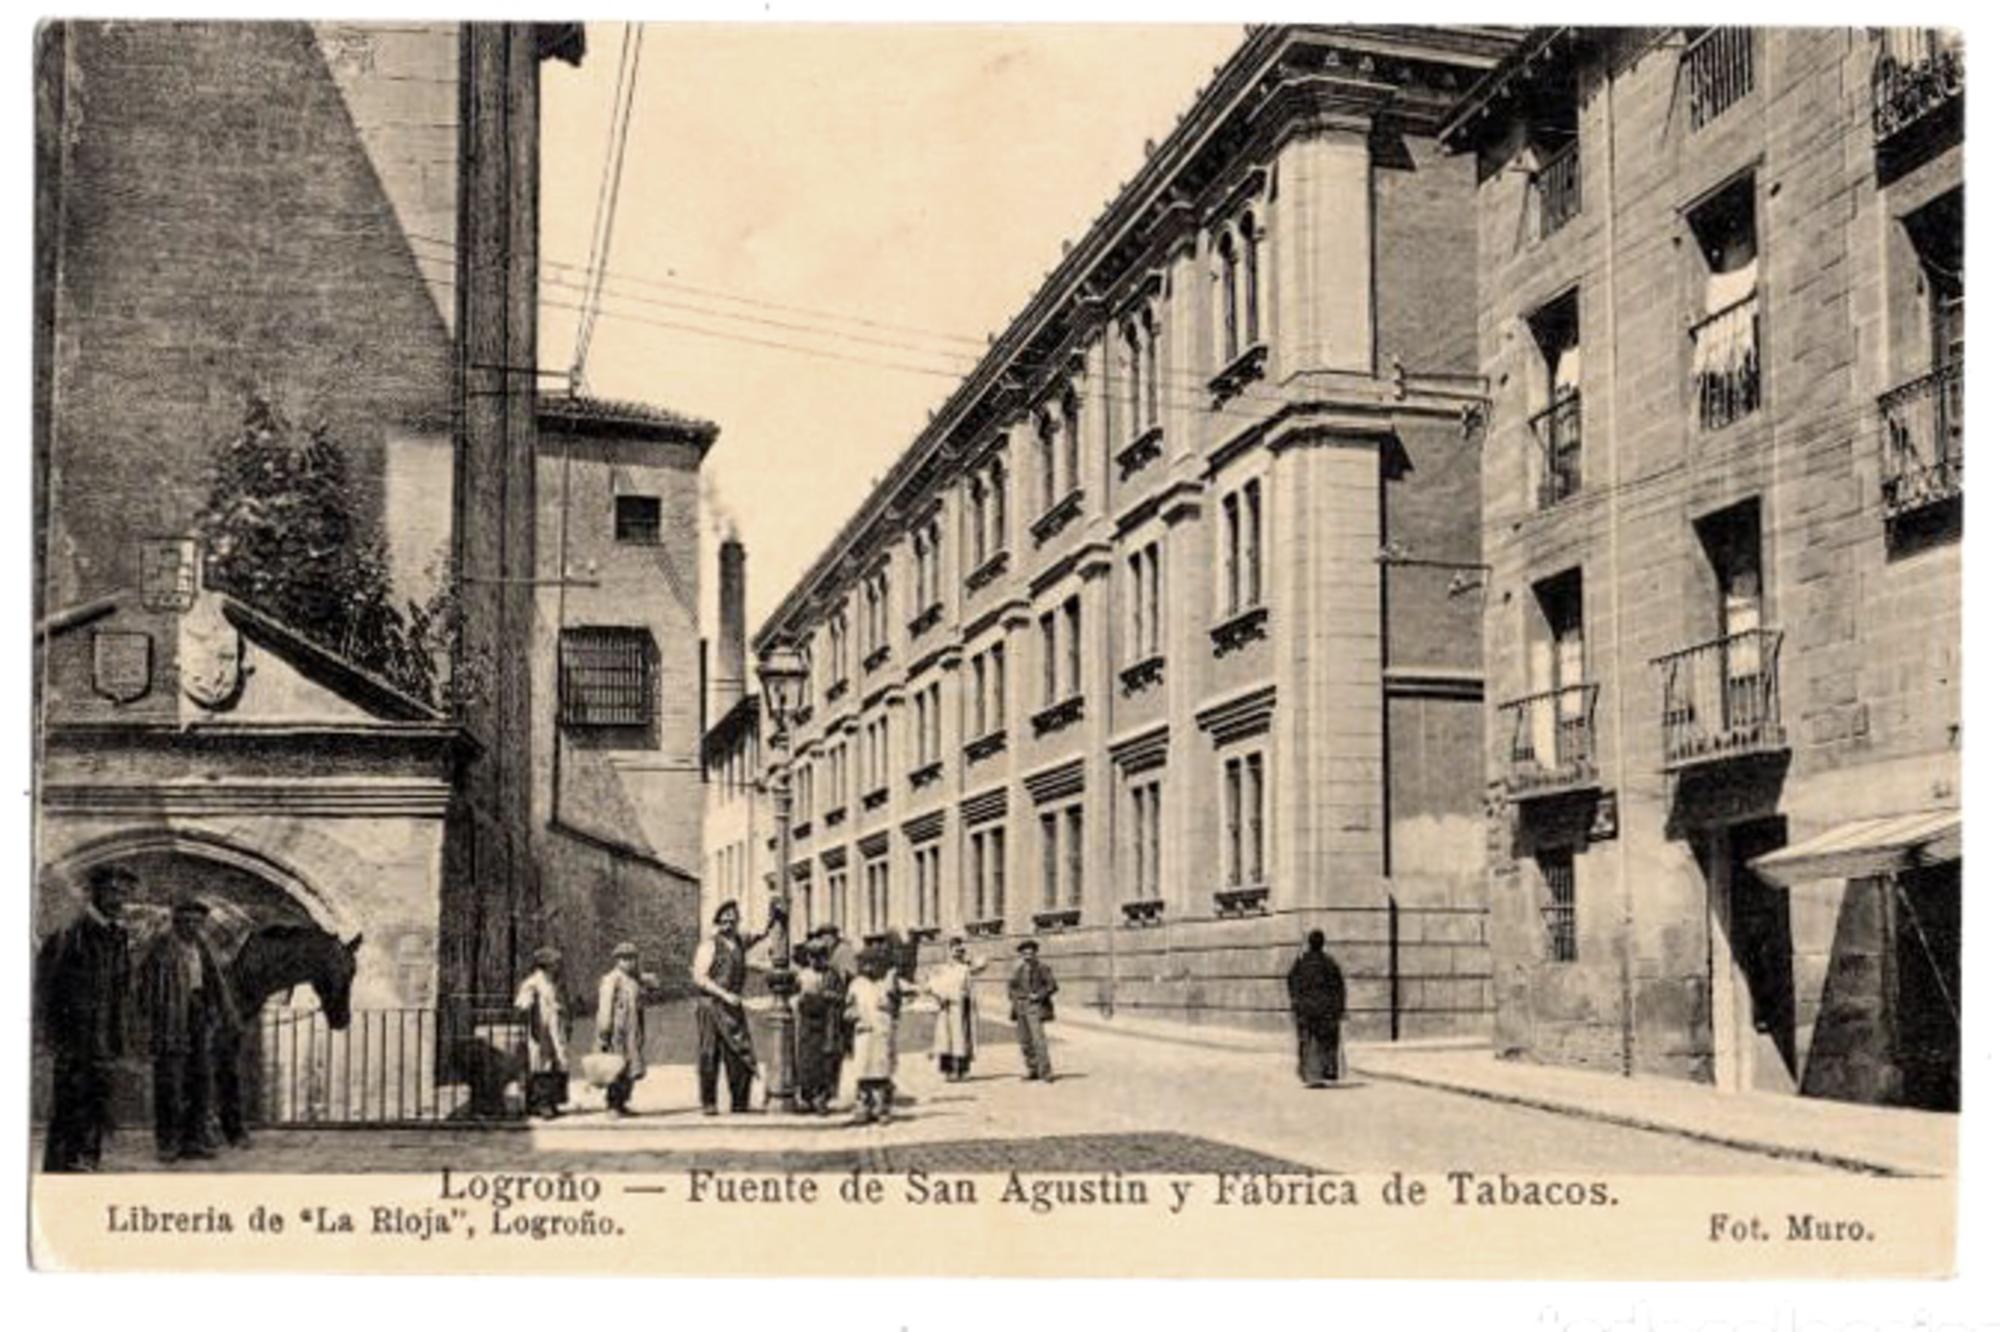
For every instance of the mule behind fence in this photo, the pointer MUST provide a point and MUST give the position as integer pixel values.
(408, 1066)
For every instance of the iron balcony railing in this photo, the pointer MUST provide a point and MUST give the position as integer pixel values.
(1559, 182)
(1559, 437)
(1554, 745)
(1917, 70)
(1923, 440)
(1728, 371)
(1719, 699)
(1721, 69)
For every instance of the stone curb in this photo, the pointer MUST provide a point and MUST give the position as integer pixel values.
(1762, 1147)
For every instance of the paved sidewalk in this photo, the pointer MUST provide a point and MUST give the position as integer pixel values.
(1874, 1139)
(1877, 1139)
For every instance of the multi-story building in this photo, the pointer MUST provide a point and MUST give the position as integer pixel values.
(342, 219)
(1161, 641)
(281, 211)
(617, 680)
(1721, 313)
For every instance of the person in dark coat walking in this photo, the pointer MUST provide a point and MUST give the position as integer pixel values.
(83, 981)
(1031, 993)
(1319, 1002)
(191, 1010)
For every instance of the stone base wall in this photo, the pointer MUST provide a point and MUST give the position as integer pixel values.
(1436, 982)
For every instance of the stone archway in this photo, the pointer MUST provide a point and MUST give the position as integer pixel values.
(245, 887)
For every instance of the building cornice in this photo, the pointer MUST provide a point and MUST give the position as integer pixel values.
(1278, 75)
(262, 799)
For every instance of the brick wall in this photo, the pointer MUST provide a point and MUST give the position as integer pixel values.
(227, 231)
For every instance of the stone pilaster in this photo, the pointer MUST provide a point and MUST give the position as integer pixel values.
(1322, 243)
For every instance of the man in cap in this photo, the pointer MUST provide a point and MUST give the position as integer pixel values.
(621, 1025)
(722, 1028)
(190, 1006)
(540, 1002)
(83, 977)
(1031, 992)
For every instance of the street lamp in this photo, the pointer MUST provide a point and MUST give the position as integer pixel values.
(781, 671)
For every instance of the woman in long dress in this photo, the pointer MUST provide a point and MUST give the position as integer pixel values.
(874, 998)
(950, 983)
(819, 1007)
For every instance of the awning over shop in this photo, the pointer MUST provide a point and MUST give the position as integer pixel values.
(1866, 848)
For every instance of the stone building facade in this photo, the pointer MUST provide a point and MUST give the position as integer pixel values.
(1161, 642)
(343, 219)
(228, 210)
(1721, 313)
(617, 681)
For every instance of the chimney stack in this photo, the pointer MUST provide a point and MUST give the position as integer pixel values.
(731, 679)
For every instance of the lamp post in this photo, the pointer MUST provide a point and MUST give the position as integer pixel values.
(781, 671)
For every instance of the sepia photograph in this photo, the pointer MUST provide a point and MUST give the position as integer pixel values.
(1169, 632)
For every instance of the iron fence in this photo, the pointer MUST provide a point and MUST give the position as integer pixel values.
(453, 1063)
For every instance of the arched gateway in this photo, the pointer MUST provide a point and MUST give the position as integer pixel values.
(305, 805)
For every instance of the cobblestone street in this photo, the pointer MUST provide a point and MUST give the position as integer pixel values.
(1119, 1103)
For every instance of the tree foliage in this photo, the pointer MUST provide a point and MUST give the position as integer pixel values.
(286, 531)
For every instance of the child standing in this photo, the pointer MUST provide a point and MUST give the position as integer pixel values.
(873, 999)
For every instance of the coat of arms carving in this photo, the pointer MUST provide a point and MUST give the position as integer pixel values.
(211, 654)
(121, 665)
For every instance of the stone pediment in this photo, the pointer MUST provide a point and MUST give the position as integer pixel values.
(217, 663)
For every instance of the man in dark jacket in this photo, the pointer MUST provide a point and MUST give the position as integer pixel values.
(191, 1010)
(1319, 1002)
(1031, 993)
(82, 981)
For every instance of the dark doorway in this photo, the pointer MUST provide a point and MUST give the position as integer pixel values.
(1760, 940)
(1926, 986)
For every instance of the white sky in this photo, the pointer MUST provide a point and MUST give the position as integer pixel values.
(923, 178)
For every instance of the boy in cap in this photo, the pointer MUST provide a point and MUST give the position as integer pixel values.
(1031, 992)
(621, 1025)
(540, 1000)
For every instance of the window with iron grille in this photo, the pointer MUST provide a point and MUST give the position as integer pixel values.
(608, 676)
(1720, 69)
(637, 519)
(1558, 873)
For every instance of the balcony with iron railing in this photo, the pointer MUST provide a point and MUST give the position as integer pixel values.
(1727, 367)
(1719, 69)
(1923, 441)
(1559, 187)
(1917, 70)
(1719, 699)
(1554, 744)
(1558, 434)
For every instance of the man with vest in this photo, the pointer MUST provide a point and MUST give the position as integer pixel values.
(722, 1028)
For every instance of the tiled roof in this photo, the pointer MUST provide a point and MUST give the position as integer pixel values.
(624, 414)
